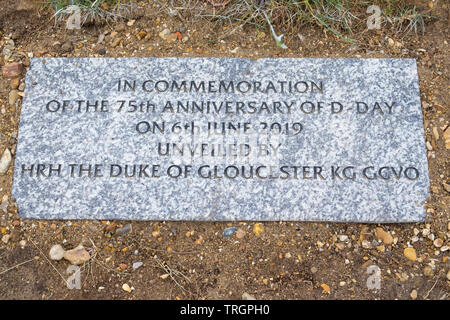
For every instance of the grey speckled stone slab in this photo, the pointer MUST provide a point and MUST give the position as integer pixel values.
(222, 139)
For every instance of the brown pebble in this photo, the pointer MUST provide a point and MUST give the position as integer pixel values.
(120, 27)
(13, 96)
(12, 70)
(67, 47)
(77, 256)
(410, 253)
(123, 266)
(383, 235)
(240, 233)
(172, 37)
(141, 34)
(111, 227)
(14, 84)
(116, 42)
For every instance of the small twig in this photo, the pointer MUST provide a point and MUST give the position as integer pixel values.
(65, 281)
(88, 266)
(3, 254)
(428, 293)
(173, 251)
(223, 4)
(93, 258)
(172, 273)
(237, 27)
(109, 269)
(4, 271)
(165, 251)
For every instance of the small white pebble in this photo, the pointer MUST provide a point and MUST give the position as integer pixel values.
(56, 252)
(438, 243)
(126, 287)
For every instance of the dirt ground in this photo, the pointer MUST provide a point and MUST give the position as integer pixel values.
(193, 260)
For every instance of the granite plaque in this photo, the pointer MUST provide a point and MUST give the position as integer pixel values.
(222, 139)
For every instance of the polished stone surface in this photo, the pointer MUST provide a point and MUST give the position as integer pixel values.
(103, 125)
